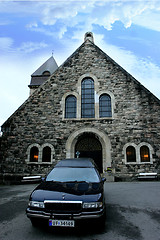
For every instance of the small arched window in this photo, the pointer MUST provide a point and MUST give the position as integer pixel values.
(34, 154)
(105, 109)
(145, 154)
(70, 107)
(87, 98)
(131, 154)
(46, 154)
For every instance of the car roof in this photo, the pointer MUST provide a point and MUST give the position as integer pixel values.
(76, 162)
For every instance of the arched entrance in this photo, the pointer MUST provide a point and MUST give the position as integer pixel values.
(88, 145)
(103, 139)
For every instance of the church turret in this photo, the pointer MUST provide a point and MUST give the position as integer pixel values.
(42, 74)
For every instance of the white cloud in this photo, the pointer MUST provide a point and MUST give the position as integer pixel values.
(62, 31)
(59, 10)
(129, 12)
(6, 43)
(149, 20)
(32, 25)
(82, 15)
(5, 22)
(28, 47)
(105, 13)
(35, 28)
(144, 13)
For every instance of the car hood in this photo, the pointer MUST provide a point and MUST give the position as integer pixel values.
(75, 191)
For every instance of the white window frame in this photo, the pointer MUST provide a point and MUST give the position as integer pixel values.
(137, 149)
(97, 95)
(40, 149)
(112, 103)
(63, 101)
(151, 151)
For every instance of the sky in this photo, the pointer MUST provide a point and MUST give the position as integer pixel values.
(31, 31)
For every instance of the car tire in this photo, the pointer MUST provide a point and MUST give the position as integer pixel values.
(101, 221)
(34, 222)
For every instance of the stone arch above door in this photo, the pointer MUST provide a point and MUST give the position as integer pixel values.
(103, 138)
(89, 146)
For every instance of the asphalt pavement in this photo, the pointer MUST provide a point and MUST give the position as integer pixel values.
(133, 212)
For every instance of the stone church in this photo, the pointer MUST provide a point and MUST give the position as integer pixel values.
(87, 107)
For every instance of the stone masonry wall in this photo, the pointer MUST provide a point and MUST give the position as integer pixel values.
(39, 120)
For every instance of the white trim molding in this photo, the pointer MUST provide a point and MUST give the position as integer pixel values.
(40, 151)
(137, 149)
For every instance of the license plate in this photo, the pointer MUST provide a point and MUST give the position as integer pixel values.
(61, 223)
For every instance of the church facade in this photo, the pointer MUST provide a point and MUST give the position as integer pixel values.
(88, 107)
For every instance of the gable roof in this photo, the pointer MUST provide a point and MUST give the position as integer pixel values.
(66, 62)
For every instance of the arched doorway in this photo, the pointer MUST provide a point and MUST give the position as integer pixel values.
(88, 145)
(101, 136)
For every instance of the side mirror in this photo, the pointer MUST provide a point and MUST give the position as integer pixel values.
(103, 179)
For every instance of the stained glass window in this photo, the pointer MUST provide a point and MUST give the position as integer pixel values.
(105, 106)
(70, 107)
(145, 154)
(131, 154)
(87, 99)
(46, 155)
(34, 154)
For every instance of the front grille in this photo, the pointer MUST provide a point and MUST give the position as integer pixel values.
(63, 206)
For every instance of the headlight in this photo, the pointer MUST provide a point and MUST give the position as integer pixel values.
(93, 205)
(36, 204)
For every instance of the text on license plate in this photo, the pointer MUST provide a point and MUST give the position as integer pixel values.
(62, 223)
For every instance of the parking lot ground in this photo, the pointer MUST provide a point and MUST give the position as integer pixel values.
(133, 212)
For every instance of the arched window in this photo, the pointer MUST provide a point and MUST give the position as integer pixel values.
(46, 154)
(105, 109)
(46, 73)
(70, 107)
(131, 154)
(145, 154)
(87, 98)
(34, 154)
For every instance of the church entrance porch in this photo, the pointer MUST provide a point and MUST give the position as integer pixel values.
(88, 145)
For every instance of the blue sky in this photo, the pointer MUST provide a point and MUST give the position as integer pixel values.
(128, 31)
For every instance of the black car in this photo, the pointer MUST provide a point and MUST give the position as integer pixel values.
(72, 191)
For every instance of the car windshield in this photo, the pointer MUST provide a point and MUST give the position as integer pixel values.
(67, 174)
